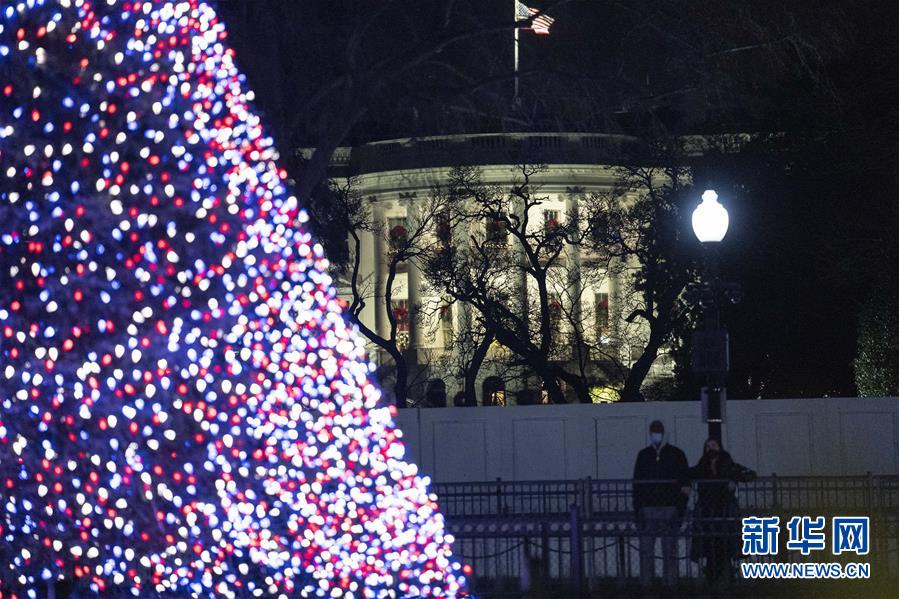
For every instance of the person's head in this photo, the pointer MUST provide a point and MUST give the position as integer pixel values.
(656, 432)
(711, 445)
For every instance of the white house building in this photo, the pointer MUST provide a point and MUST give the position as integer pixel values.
(397, 177)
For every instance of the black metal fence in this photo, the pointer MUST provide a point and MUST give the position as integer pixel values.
(570, 538)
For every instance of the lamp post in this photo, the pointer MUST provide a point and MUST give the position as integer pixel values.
(710, 219)
(710, 341)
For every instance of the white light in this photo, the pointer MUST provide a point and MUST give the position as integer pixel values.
(710, 218)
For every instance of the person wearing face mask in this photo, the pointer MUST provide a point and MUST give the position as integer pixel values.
(660, 493)
(716, 514)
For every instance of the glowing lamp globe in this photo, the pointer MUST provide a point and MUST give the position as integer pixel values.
(710, 218)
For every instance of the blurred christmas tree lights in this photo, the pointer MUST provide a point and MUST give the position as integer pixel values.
(185, 410)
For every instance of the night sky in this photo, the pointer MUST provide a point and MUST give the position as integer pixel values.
(813, 217)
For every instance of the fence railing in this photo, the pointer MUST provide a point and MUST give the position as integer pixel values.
(567, 538)
(613, 498)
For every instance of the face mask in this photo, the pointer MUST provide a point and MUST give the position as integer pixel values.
(656, 438)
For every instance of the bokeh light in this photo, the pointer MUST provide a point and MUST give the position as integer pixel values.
(185, 409)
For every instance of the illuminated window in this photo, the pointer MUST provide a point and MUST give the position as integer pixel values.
(601, 305)
(555, 314)
(552, 230)
(443, 227)
(551, 220)
(446, 324)
(397, 233)
(400, 310)
(493, 391)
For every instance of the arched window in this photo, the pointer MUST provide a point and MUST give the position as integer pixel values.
(435, 396)
(493, 391)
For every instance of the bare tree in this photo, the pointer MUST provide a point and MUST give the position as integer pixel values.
(349, 218)
(532, 281)
(594, 345)
(649, 236)
(504, 271)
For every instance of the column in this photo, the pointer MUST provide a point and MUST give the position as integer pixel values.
(573, 264)
(413, 285)
(379, 271)
(370, 260)
(519, 258)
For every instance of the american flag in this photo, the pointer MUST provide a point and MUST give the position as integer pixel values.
(540, 24)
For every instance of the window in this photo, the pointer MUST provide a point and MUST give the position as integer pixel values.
(495, 231)
(601, 306)
(443, 227)
(493, 391)
(446, 324)
(555, 314)
(552, 231)
(400, 310)
(551, 220)
(397, 234)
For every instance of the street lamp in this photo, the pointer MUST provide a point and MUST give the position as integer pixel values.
(710, 342)
(710, 218)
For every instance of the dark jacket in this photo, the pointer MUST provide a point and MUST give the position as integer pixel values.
(716, 514)
(713, 473)
(667, 464)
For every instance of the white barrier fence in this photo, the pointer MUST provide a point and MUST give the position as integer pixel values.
(790, 437)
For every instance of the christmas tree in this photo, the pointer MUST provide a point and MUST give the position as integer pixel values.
(185, 410)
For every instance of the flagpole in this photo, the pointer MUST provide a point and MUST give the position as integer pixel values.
(517, 30)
